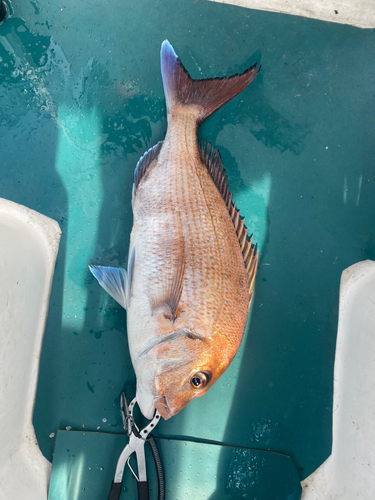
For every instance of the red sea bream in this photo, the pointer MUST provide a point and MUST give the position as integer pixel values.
(192, 266)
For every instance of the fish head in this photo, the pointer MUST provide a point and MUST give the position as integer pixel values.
(173, 373)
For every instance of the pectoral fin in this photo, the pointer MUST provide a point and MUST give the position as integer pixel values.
(167, 301)
(166, 298)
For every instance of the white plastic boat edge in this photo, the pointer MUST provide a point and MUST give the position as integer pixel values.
(350, 470)
(359, 14)
(29, 244)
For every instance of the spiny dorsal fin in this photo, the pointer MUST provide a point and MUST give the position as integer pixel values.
(210, 156)
(144, 164)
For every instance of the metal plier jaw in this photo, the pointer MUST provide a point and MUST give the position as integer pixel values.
(136, 444)
(126, 415)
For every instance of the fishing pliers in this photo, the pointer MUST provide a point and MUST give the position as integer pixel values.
(136, 444)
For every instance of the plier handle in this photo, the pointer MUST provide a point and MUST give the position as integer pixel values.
(136, 444)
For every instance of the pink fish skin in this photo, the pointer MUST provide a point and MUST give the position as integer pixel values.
(192, 265)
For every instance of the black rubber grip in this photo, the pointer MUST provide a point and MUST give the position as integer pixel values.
(142, 490)
(115, 491)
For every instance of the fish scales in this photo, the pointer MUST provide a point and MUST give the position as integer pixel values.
(211, 286)
(187, 287)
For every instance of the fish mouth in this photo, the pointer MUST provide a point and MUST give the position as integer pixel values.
(145, 400)
(161, 405)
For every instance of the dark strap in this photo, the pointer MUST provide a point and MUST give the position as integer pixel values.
(142, 490)
(115, 491)
(159, 466)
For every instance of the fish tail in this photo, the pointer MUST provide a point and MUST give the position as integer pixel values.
(207, 95)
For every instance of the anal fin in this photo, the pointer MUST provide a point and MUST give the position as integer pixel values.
(144, 164)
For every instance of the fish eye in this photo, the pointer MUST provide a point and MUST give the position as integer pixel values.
(199, 380)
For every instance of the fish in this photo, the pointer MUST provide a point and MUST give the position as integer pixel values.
(191, 269)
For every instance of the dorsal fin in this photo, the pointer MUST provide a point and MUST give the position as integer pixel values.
(210, 156)
(144, 163)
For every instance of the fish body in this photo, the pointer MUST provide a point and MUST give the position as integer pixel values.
(192, 266)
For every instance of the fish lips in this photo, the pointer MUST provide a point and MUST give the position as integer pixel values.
(148, 397)
(161, 405)
(148, 403)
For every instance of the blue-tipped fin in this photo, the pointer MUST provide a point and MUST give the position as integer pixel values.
(208, 95)
(129, 281)
(114, 282)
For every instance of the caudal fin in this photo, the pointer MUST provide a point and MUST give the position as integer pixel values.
(209, 94)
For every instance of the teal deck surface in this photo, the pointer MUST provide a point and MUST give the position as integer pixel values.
(81, 99)
(84, 465)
